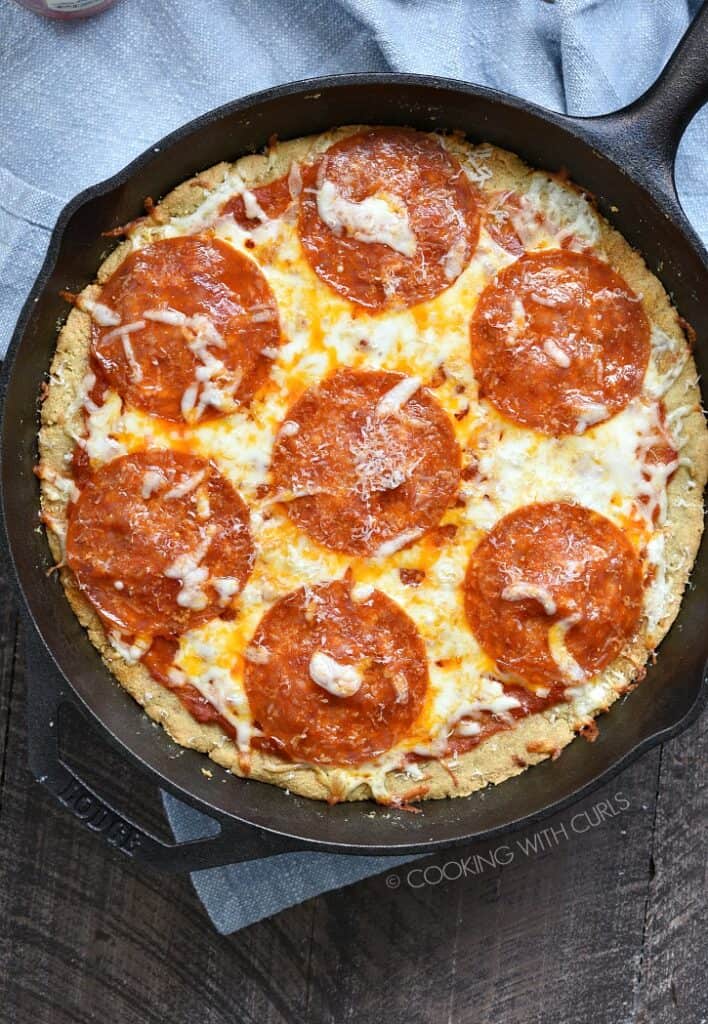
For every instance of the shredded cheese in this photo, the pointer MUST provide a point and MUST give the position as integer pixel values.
(390, 547)
(522, 591)
(590, 413)
(560, 653)
(189, 484)
(556, 353)
(124, 330)
(374, 219)
(167, 316)
(337, 679)
(187, 568)
(130, 652)
(101, 314)
(226, 587)
(136, 370)
(254, 211)
(394, 400)
(454, 259)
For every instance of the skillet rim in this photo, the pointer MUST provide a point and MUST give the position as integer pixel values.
(582, 131)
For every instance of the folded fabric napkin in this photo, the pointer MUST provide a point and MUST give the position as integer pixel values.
(79, 100)
(241, 894)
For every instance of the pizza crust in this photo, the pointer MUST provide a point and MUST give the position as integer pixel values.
(502, 755)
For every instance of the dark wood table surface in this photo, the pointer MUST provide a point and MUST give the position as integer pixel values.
(608, 925)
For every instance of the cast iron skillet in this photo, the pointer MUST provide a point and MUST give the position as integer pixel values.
(626, 160)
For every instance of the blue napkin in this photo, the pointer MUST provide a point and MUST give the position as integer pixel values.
(79, 100)
(241, 894)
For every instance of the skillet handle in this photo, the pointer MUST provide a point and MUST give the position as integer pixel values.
(46, 694)
(644, 136)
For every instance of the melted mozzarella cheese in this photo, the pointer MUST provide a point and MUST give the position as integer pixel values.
(226, 587)
(186, 486)
(204, 661)
(131, 653)
(390, 547)
(556, 353)
(124, 330)
(394, 400)
(524, 590)
(192, 575)
(559, 650)
(101, 314)
(453, 262)
(337, 679)
(166, 316)
(658, 382)
(104, 423)
(590, 413)
(374, 219)
(56, 486)
(253, 209)
(136, 370)
(152, 482)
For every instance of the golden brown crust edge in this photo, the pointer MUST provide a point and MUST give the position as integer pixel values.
(501, 756)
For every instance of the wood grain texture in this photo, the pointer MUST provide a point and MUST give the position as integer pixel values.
(608, 925)
(675, 921)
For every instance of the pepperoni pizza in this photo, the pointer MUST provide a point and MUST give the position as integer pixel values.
(373, 464)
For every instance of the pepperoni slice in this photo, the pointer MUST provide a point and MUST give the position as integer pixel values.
(499, 221)
(198, 322)
(369, 650)
(388, 218)
(553, 593)
(159, 542)
(267, 202)
(559, 342)
(366, 459)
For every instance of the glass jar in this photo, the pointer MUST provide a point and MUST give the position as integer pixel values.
(66, 9)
